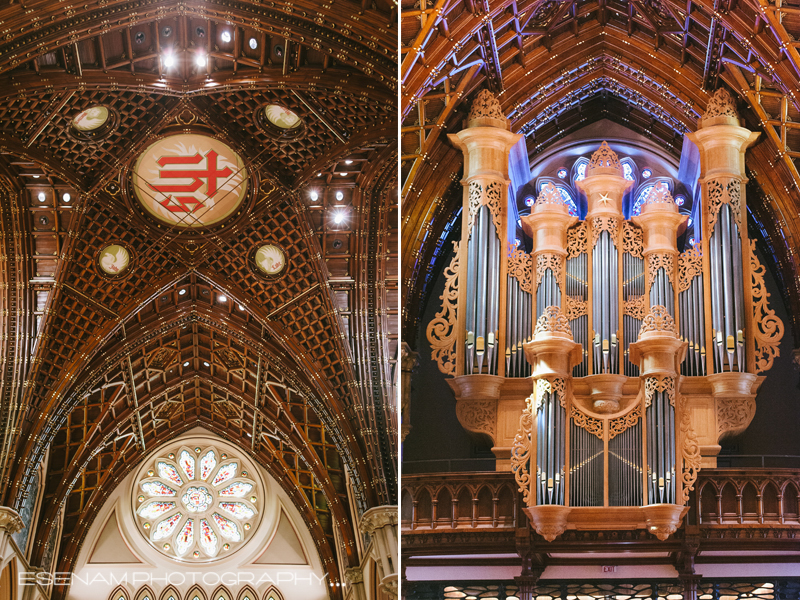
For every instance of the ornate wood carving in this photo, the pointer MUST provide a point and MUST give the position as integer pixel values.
(767, 327)
(478, 416)
(690, 264)
(486, 105)
(554, 321)
(490, 196)
(609, 224)
(690, 451)
(721, 104)
(590, 424)
(577, 240)
(521, 453)
(632, 239)
(441, 330)
(617, 426)
(575, 308)
(544, 386)
(546, 261)
(635, 307)
(734, 414)
(724, 190)
(520, 266)
(658, 319)
(661, 260)
(659, 384)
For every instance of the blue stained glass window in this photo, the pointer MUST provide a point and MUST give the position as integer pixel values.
(627, 171)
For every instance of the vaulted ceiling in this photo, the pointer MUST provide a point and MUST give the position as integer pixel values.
(558, 66)
(298, 371)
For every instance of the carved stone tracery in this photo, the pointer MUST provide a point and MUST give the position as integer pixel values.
(441, 330)
(767, 327)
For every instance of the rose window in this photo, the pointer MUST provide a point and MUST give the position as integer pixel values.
(197, 504)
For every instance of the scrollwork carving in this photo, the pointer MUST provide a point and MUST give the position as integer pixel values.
(617, 426)
(593, 426)
(546, 261)
(767, 327)
(600, 224)
(632, 240)
(690, 451)
(659, 194)
(553, 321)
(724, 191)
(486, 105)
(577, 240)
(474, 195)
(657, 261)
(635, 307)
(520, 266)
(734, 414)
(690, 264)
(575, 308)
(478, 416)
(521, 453)
(658, 319)
(477, 196)
(721, 104)
(659, 384)
(493, 201)
(549, 386)
(441, 330)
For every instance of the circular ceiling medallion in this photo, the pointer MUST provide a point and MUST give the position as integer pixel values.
(91, 119)
(190, 180)
(281, 117)
(196, 503)
(114, 259)
(270, 259)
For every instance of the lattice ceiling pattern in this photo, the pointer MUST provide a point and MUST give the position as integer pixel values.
(296, 369)
(556, 67)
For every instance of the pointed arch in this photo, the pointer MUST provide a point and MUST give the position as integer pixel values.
(195, 593)
(170, 593)
(222, 593)
(144, 593)
(272, 593)
(247, 593)
(120, 593)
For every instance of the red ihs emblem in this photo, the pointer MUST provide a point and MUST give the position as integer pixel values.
(183, 202)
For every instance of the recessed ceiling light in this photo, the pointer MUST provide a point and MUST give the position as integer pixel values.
(36, 177)
(348, 162)
(339, 196)
(338, 217)
(205, 364)
(42, 197)
(200, 60)
(223, 298)
(342, 174)
(253, 43)
(241, 307)
(181, 292)
(318, 175)
(225, 36)
(314, 196)
(186, 364)
(169, 60)
(66, 197)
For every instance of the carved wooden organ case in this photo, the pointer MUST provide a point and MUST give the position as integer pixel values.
(604, 367)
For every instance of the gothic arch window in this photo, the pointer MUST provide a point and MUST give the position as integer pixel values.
(221, 593)
(170, 593)
(144, 594)
(247, 593)
(271, 594)
(195, 593)
(120, 594)
(629, 170)
(579, 169)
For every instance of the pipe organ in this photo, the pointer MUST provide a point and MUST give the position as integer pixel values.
(605, 365)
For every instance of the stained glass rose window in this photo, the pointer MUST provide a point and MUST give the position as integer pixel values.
(196, 503)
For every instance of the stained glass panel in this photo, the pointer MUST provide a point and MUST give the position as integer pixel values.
(167, 471)
(197, 499)
(238, 509)
(165, 527)
(225, 472)
(227, 528)
(185, 538)
(207, 464)
(155, 509)
(156, 488)
(208, 539)
(187, 464)
(238, 489)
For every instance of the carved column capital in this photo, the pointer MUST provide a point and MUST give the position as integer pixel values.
(10, 521)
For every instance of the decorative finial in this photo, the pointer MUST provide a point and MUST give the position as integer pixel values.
(486, 106)
(549, 194)
(604, 160)
(659, 194)
(721, 104)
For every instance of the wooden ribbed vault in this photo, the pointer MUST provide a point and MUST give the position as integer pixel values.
(556, 67)
(296, 371)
